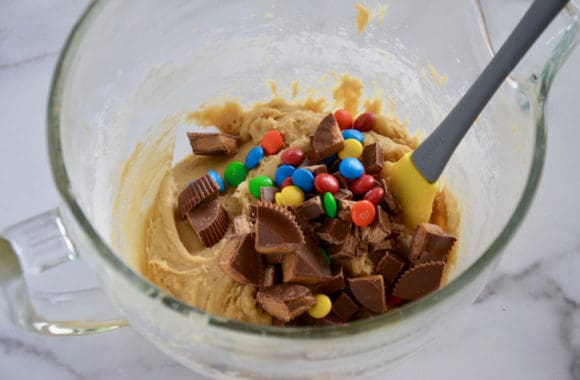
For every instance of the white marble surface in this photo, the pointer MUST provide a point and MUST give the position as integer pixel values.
(526, 324)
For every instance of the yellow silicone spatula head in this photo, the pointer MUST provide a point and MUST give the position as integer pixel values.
(412, 190)
(413, 179)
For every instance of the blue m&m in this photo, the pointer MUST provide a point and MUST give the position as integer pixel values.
(353, 134)
(216, 177)
(283, 172)
(254, 156)
(304, 179)
(351, 168)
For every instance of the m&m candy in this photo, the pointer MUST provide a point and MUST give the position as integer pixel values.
(326, 256)
(235, 173)
(272, 142)
(303, 179)
(290, 196)
(364, 122)
(330, 160)
(363, 213)
(326, 183)
(352, 148)
(282, 173)
(293, 156)
(258, 182)
(375, 195)
(218, 179)
(254, 156)
(351, 168)
(343, 119)
(329, 205)
(353, 134)
(362, 185)
(322, 307)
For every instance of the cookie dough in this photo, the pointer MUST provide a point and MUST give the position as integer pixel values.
(168, 251)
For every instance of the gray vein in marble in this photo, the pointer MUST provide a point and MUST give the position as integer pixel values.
(26, 61)
(10, 346)
(543, 288)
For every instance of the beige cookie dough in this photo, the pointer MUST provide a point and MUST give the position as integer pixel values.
(171, 255)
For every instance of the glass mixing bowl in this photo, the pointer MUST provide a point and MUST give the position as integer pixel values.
(127, 68)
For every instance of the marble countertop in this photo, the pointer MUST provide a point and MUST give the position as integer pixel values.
(525, 325)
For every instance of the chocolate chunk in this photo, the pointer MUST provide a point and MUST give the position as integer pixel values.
(273, 258)
(326, 140)
(375, 256)
(276, 230)
(242, 225)
(272, 276)
(306, 266)
(389, 201)
(334, 231)
(345, 209)
(345, 250)
(240, 260)
(285, 301)
(419, 280)
(372, 158)
(430, 243)
(204, 189)
(341, 180)
(209, 222)
(268, 193)
(383, 245)
(344, 307)
(343, 194)
(390, 266)
(316, 169)
(308, 228)
(369, 291)
(379, 231)
(333, 284)
(310, 209)
(213, 144)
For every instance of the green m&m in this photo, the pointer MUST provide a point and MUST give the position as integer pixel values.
(235, 173)
(258, 182)
(329, 203)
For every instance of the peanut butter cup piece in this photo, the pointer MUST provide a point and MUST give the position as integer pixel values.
(372, 158)
(326, 140)
(213, 144)
(316, 169)
(419, 280)
(310, 209)
(334, 231)
(285, 301)
(344, 308)
(430, 243)
(389, 201)
(390, 266)
(268, 193)
(202, 190)
(306, 266)
(240, 260)
(276, 230)
(272, 276)
(369, 291)
(209, 222)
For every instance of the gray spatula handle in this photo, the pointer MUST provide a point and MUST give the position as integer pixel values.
(434, 153)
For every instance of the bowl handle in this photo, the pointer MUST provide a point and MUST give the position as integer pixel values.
(50, 290)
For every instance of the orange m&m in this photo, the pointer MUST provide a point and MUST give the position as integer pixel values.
(272, 142)
(363, 213)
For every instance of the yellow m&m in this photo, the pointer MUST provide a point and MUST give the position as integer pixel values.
(322, 308)
(290, 196)
(352, 148)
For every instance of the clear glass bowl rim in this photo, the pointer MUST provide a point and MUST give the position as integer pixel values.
(422, 305)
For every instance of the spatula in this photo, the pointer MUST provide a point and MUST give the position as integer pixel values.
(414, 178)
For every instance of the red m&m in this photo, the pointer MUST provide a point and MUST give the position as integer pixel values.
(362, 184)
(375, 195)
(343, 119)
(365, 122)
(293, 156)
(326, 183)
